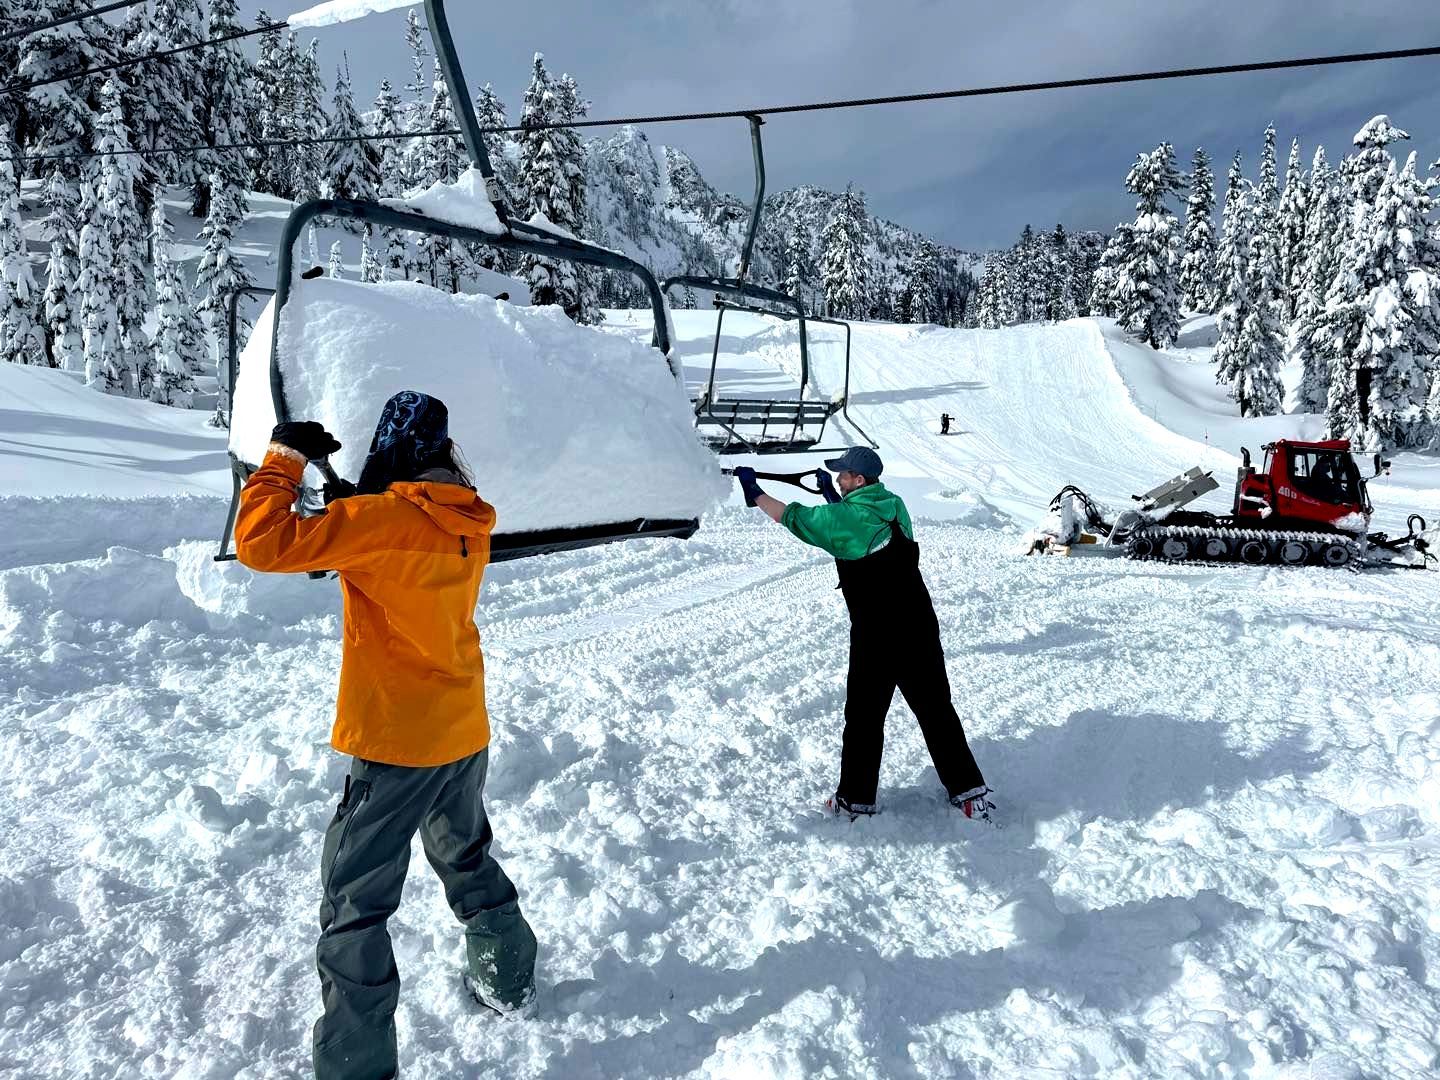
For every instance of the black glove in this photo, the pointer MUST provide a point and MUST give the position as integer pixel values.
(748, 484)
(341, 489)
(307, 438)
(827, 486)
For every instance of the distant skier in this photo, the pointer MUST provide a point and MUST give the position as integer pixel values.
(894, 635)
(410, 548)
(944, 423)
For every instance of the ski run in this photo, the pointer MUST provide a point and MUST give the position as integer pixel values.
(1219, 786)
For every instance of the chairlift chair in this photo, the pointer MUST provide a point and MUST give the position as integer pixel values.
(515, 235)
(786, 426)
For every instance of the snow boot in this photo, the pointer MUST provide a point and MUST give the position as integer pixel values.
(500, 969)
(837, 804)
(974, 804)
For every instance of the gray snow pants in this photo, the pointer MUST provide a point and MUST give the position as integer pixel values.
(367, 851)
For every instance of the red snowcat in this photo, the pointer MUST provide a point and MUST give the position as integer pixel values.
(1307, 505)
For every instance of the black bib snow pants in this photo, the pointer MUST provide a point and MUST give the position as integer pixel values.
(895, 641)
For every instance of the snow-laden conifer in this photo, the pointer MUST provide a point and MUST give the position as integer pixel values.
(353, 167)
(21, 339)
(174, 380)
(1291, 219)
(844, 262)
(105, 366)
(1322, 260)
(220, 274)
(1198, 288)
(1147, 285)
(1250, 348)
(120, 213)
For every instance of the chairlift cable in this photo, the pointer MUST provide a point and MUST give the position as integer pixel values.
(772, 110)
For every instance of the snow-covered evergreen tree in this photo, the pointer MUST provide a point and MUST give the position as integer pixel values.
(1027, 276)
(21, 340)
(844, 262)
(308, 120)
(1292, 215)
(104, 359)
(121, 216)
(224, 96)
(799, 265)
(440, 161)
(922, 288)
(61, 115)
(1322, 251)
(551, 168)
(220, 274)
(397, 256)
(370, 269)
(1057, 303)
(1250, 348)
(1146, 286)
(1382, 319)
(490, 113)
(353, 168)
(62, 316)
(174, 381)
(1198, 289)
(274, 165)
(1104, 301)
(337, 264)
(419, 88)
(1368, 272)
(388, 123)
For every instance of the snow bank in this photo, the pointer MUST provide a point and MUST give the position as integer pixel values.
(461, 203)
(64, 528)
(339, 11)
(563, 425)
(61, 437)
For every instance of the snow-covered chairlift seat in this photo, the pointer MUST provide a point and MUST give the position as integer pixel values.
(594, 476)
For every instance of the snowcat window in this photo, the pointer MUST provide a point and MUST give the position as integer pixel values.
(1324, 475)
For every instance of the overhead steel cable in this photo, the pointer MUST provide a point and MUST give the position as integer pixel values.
(779, 110)
(35, 28)
(21, 87)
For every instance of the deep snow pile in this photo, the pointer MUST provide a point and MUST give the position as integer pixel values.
(1221, 787)
(80, 471)
(564, 425)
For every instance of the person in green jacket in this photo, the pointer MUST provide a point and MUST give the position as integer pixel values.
(894, 634)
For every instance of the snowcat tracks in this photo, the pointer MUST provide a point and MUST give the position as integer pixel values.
(1215, 546)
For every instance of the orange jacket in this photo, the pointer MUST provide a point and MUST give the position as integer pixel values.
(412, 680)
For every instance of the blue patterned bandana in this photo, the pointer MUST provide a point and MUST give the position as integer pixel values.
(413, 428)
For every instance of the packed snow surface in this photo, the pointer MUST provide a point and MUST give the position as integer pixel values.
(339, 11)
(462, 203)
(1220, 785)
(563, 425)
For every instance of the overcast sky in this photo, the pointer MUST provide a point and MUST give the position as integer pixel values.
(972, 172)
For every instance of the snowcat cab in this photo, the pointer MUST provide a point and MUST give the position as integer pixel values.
(1303, 485)
(786, 425)
(502, 231)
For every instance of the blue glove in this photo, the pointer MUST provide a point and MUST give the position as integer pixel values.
(827, 486)
(748, 484)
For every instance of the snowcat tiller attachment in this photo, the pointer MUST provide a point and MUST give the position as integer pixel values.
(511, 235)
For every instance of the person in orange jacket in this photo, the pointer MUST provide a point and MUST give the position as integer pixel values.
(410, 547)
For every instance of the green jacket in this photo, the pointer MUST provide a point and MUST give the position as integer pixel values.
(852, 528)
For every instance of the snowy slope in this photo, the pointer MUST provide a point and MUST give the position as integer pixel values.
(1221, 785)
(1036, 407)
